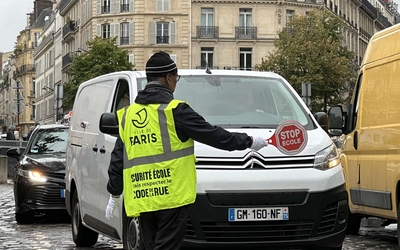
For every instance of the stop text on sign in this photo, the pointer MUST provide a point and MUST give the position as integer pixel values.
(291, 137)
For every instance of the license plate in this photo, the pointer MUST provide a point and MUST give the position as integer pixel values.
(62, 193)
(258, 214)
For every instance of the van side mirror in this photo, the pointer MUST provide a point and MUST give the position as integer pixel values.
(322, 120)
(335, 115)
(109, 123)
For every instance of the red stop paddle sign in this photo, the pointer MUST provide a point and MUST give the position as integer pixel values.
(290, 137)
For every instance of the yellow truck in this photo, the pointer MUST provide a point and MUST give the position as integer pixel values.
(370, 150)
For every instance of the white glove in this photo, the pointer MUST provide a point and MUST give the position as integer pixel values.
(258, 143)
(112, 204)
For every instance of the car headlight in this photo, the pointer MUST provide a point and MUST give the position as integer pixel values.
(32, 175)
(327, 158)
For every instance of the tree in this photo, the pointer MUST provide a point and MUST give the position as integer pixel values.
(310, 49)
(103, 57)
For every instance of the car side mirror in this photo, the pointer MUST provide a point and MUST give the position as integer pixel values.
(335, 115)
(14, 153)
(109, 123)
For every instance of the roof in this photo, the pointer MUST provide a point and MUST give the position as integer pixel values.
(40, 21)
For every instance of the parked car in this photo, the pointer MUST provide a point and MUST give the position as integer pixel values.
(39, 186)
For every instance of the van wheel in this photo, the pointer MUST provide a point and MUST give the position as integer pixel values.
(131, 233)
(353, 224)
(82, 236)
(398, 224)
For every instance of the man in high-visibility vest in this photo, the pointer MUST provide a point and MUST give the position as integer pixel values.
(153, 161)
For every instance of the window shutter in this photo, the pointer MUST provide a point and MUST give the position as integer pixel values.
(132, 58)
(99, 30)
(159, 6)
(173, 32)
(131, 33)
(152, 33)
(166, 5)
(98, 6)
(117, 33)
(132, 6)
(112, 6)
(173, 57)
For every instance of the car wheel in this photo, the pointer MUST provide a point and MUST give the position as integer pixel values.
(23, 218)
(131, 233)
(82, 236)
(353, 224)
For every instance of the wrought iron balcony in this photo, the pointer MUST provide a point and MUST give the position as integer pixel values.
(69, 27)
(162, 39)
(105, 9)
(243, 32)
(124, 40)
(124, 7)
(204, 67)
(207, 31)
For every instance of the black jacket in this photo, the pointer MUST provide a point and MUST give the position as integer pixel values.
(188, 123)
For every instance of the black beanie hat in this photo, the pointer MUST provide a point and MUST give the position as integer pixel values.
(160, 64)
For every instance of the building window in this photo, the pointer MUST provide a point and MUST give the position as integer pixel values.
(245, 58)
(207, 58)
(162, 36)
(125, 6)
(289, 16)
(105, 30)
(124, 33)
(106, 6)
(162, 5)
(245, 18)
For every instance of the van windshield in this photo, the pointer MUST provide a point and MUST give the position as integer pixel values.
(240, 101)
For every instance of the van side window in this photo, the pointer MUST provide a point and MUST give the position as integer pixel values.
(122, 96)
(355, 105)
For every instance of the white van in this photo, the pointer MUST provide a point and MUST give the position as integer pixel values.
(244, 198)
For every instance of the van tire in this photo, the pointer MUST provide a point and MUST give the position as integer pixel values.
(398, 225)
(353, 224)
(82, 236)
(131, 233)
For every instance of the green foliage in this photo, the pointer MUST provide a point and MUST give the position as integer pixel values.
(103, 57)
(310, 49)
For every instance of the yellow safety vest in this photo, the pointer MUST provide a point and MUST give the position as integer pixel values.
(159, 169)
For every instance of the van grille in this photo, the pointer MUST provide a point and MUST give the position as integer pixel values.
(328, 219)
(253, 231)
(254, 160)
(257, 199)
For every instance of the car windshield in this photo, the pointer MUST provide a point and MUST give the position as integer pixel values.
(240, 101)
(48, 141)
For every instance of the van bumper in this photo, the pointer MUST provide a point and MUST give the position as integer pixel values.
(315, 220)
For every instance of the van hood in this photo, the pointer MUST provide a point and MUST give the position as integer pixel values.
(317, 141)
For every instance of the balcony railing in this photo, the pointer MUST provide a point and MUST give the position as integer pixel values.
(124, 40)
(67, 59)
(204, 67)
(162, 39)
(25, 68)
(207, 31)
(124, 7)
(68, 27)
(105, 9)
(243, 32)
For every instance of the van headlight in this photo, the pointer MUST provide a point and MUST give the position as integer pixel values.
(32, 175)
(327, 158)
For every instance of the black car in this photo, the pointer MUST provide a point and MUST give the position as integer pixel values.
(39, 185)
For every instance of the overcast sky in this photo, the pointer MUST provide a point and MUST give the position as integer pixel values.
(13, 20)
